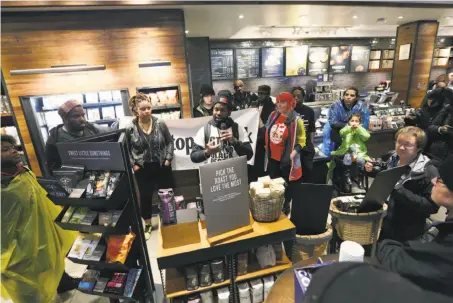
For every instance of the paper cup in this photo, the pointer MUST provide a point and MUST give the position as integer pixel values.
(351, 251)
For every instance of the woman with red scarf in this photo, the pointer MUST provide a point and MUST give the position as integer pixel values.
(285, 138)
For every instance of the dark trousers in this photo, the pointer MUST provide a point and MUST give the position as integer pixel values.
(150, 177)
(306, 159)
(275, 171)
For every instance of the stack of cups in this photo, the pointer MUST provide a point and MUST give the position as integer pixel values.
(351, 251)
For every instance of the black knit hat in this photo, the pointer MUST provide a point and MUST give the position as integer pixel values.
(225, 98)
(265, 88)
(446, 172)
(206, 90)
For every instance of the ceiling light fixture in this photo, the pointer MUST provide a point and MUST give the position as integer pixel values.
(241, 16)
(448, 17)
(154, 63)
(187, 31)
(354, 17)
(400, 17)
(58, 69)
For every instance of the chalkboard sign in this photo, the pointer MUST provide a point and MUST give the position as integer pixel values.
(247, 63)
(225, 195)
(222, 64)
(272, 62)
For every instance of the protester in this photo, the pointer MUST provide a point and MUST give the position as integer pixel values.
(266, 106)
(152, 151)
(432, 104)
(351, 282)
(285, 139)
(450, 80)
(33, 246)
(427, 262)
(221, 138)
(339, 114)
(435, 83)
(308, 115)
(352, 149)
(241, 98)
(74, 127)
(204, 109)
(440, 132)
(409, 204)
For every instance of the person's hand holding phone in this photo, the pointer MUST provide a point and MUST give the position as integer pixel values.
(369, 165)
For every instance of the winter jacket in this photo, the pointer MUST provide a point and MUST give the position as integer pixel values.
(201, 111)
(242, 100)
(296, 141)
(350, 136)
(242, 147)
(409, 204)
(58, 134)
(441, 145)
(162, 143)
(427, 262)
(338, 118)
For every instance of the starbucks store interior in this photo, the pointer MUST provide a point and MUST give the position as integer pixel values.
(227, 151)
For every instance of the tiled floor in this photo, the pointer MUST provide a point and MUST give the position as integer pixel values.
(77, 270)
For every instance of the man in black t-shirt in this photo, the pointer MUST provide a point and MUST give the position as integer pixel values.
(308, 115)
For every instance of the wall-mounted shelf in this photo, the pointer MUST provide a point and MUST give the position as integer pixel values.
(442, 66)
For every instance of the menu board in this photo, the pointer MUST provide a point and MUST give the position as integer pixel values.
(272, 62)
(296, 61)
(360, 59)
(247, 63)
(340, 58)
(222, 64)
(318, 60)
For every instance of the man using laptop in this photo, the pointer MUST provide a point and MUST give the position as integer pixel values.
(427, 262)
(410, 203)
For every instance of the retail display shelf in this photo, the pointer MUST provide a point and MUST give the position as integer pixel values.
(442, 66)
(107, 295)
(165, 107)
(381, 70)
(263, 234)
(91, 203)
(101, 264)
(92, 229)
(3, 115)
(255, 271)
(176, 286)
(383, 131)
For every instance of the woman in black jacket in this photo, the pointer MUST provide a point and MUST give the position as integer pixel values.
(152, 151)
(440, 131)
(410, 203)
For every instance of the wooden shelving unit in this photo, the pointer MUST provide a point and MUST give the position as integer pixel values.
(176, 286)
(255, 271)
(170, 260)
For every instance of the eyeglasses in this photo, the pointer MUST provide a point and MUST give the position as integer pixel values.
(405, 144)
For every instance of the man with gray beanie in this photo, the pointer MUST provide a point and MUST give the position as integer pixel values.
(427, 262)
(74, 127)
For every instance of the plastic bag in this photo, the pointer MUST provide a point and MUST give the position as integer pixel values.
(33, 246)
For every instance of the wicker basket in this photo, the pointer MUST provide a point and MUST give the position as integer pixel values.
(314, 245)
(358, 227)
(266, 210)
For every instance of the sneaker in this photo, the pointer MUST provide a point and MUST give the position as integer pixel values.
(148, 230)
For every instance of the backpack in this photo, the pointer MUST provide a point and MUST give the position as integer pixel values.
(207, 131)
